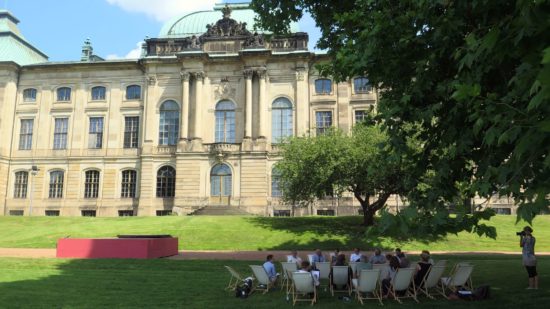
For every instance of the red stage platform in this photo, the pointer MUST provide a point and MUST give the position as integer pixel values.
(116, 248)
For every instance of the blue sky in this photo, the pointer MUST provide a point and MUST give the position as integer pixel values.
(59, 27)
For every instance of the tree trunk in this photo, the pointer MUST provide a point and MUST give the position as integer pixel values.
(368, 216)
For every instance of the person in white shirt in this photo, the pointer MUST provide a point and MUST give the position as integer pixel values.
(356, 255)
(294, 258)
(305, 267)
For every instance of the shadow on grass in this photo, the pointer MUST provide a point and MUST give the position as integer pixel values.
(331, 232)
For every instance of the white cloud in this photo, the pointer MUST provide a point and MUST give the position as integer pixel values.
(163, 10)
(133, 54)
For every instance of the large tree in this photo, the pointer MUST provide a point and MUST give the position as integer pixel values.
(472, 78)
(335, 163)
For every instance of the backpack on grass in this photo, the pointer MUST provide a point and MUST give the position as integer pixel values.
(244, 289)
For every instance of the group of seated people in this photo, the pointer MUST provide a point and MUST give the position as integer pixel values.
(393, 261)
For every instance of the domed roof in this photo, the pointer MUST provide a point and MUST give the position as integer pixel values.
(195, 23)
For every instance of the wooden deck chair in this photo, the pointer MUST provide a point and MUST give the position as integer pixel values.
(324, 273)
(310, 258)
(340, 278)
(384, 270)
(303, 286)
(368, 284)
(262, 279)
(234, 280)
(460, 278)
(403, 285)
(431, 280)
(288, 269)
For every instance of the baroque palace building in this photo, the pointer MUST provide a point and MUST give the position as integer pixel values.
(193, 123)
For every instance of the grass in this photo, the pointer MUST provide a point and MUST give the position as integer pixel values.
(254, 233)
(161, 283)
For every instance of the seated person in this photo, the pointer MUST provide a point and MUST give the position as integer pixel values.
(356, 255)
(334, 255)
(294, 258)
(305, 267)
(422, 269)
(403, 260)
(317, 257)
(387, 282)
(377, 258)
(341, 261)
(363, 264)
(431, 261)
(270, 269)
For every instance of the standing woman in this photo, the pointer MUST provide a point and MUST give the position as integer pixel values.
(527, 243)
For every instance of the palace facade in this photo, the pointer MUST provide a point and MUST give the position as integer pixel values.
(195, 122)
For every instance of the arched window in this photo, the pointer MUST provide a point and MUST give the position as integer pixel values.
(169, 123)
(225, 122)
(128, 185)
(220, 180)
(133, 92)
(276, 182)
(361, 85)
(91, 184)
(56, 184)
(166, 182)
(29, 95)
(323, 86)
(281, 120)
(64, 94)
(21, 182)
(98, 93)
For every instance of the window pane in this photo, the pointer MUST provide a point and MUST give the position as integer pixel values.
(25, 134)
(91, 184)
(56, 184)
(98, 93)
(362, 85)
(129, 179)
(360, 115)
(169, 123)
(95, 140)
(281, 120)
(131, 132)
(21, 181)
(64, 94)
(275, 183)
(323, 121)
(60, 133)
(225, 122)
(133, 92)
(323, 86)
(29, 95)
(166, 182)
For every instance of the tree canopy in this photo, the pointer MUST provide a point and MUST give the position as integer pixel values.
(471, 77)
(334, 163)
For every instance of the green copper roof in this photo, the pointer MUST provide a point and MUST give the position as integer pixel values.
(195, 23)
(13, 46)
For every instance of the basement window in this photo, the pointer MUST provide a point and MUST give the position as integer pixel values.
(325, 212)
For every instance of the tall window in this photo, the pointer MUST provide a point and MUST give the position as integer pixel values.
(64, 94)
(21, 181)
(323, 86)
(166, 182)
(133, 92)
(95, 139)
(98, 93)
(362, 85)
(360, 115)
(281, 121)
(131, 132)
(225, 122)
(275, 182)
(29, 95)
(220, 180)
(60, 133)
(56, 184)
(91, 184)
(25, 134)
(169, 123)
(129, 179)
(323, 121)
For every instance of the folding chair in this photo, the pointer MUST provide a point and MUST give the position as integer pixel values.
(441, 263)
(403, 284)
(431, 280)
(324, 272)
(340, 277)
(384, 270)
(288, 269)
(460, 278)
(234, 280)
(261, 278)
(368, 283)
(353, 266)
(303, 285)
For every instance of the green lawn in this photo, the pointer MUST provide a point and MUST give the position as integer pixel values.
(253, 233)
(161, 283)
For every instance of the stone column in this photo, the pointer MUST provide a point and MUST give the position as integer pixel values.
(262, 75)
(184, 125)
(248, 103)
(199, 78)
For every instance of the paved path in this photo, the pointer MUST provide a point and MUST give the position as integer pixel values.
(229, 255)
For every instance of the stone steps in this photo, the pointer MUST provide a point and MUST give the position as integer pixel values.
(220, 211)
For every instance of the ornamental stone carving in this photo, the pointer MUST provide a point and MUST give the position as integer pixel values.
(199, 75)
(224, 90)
(226, 26)
(248, 73)
(184, 75)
